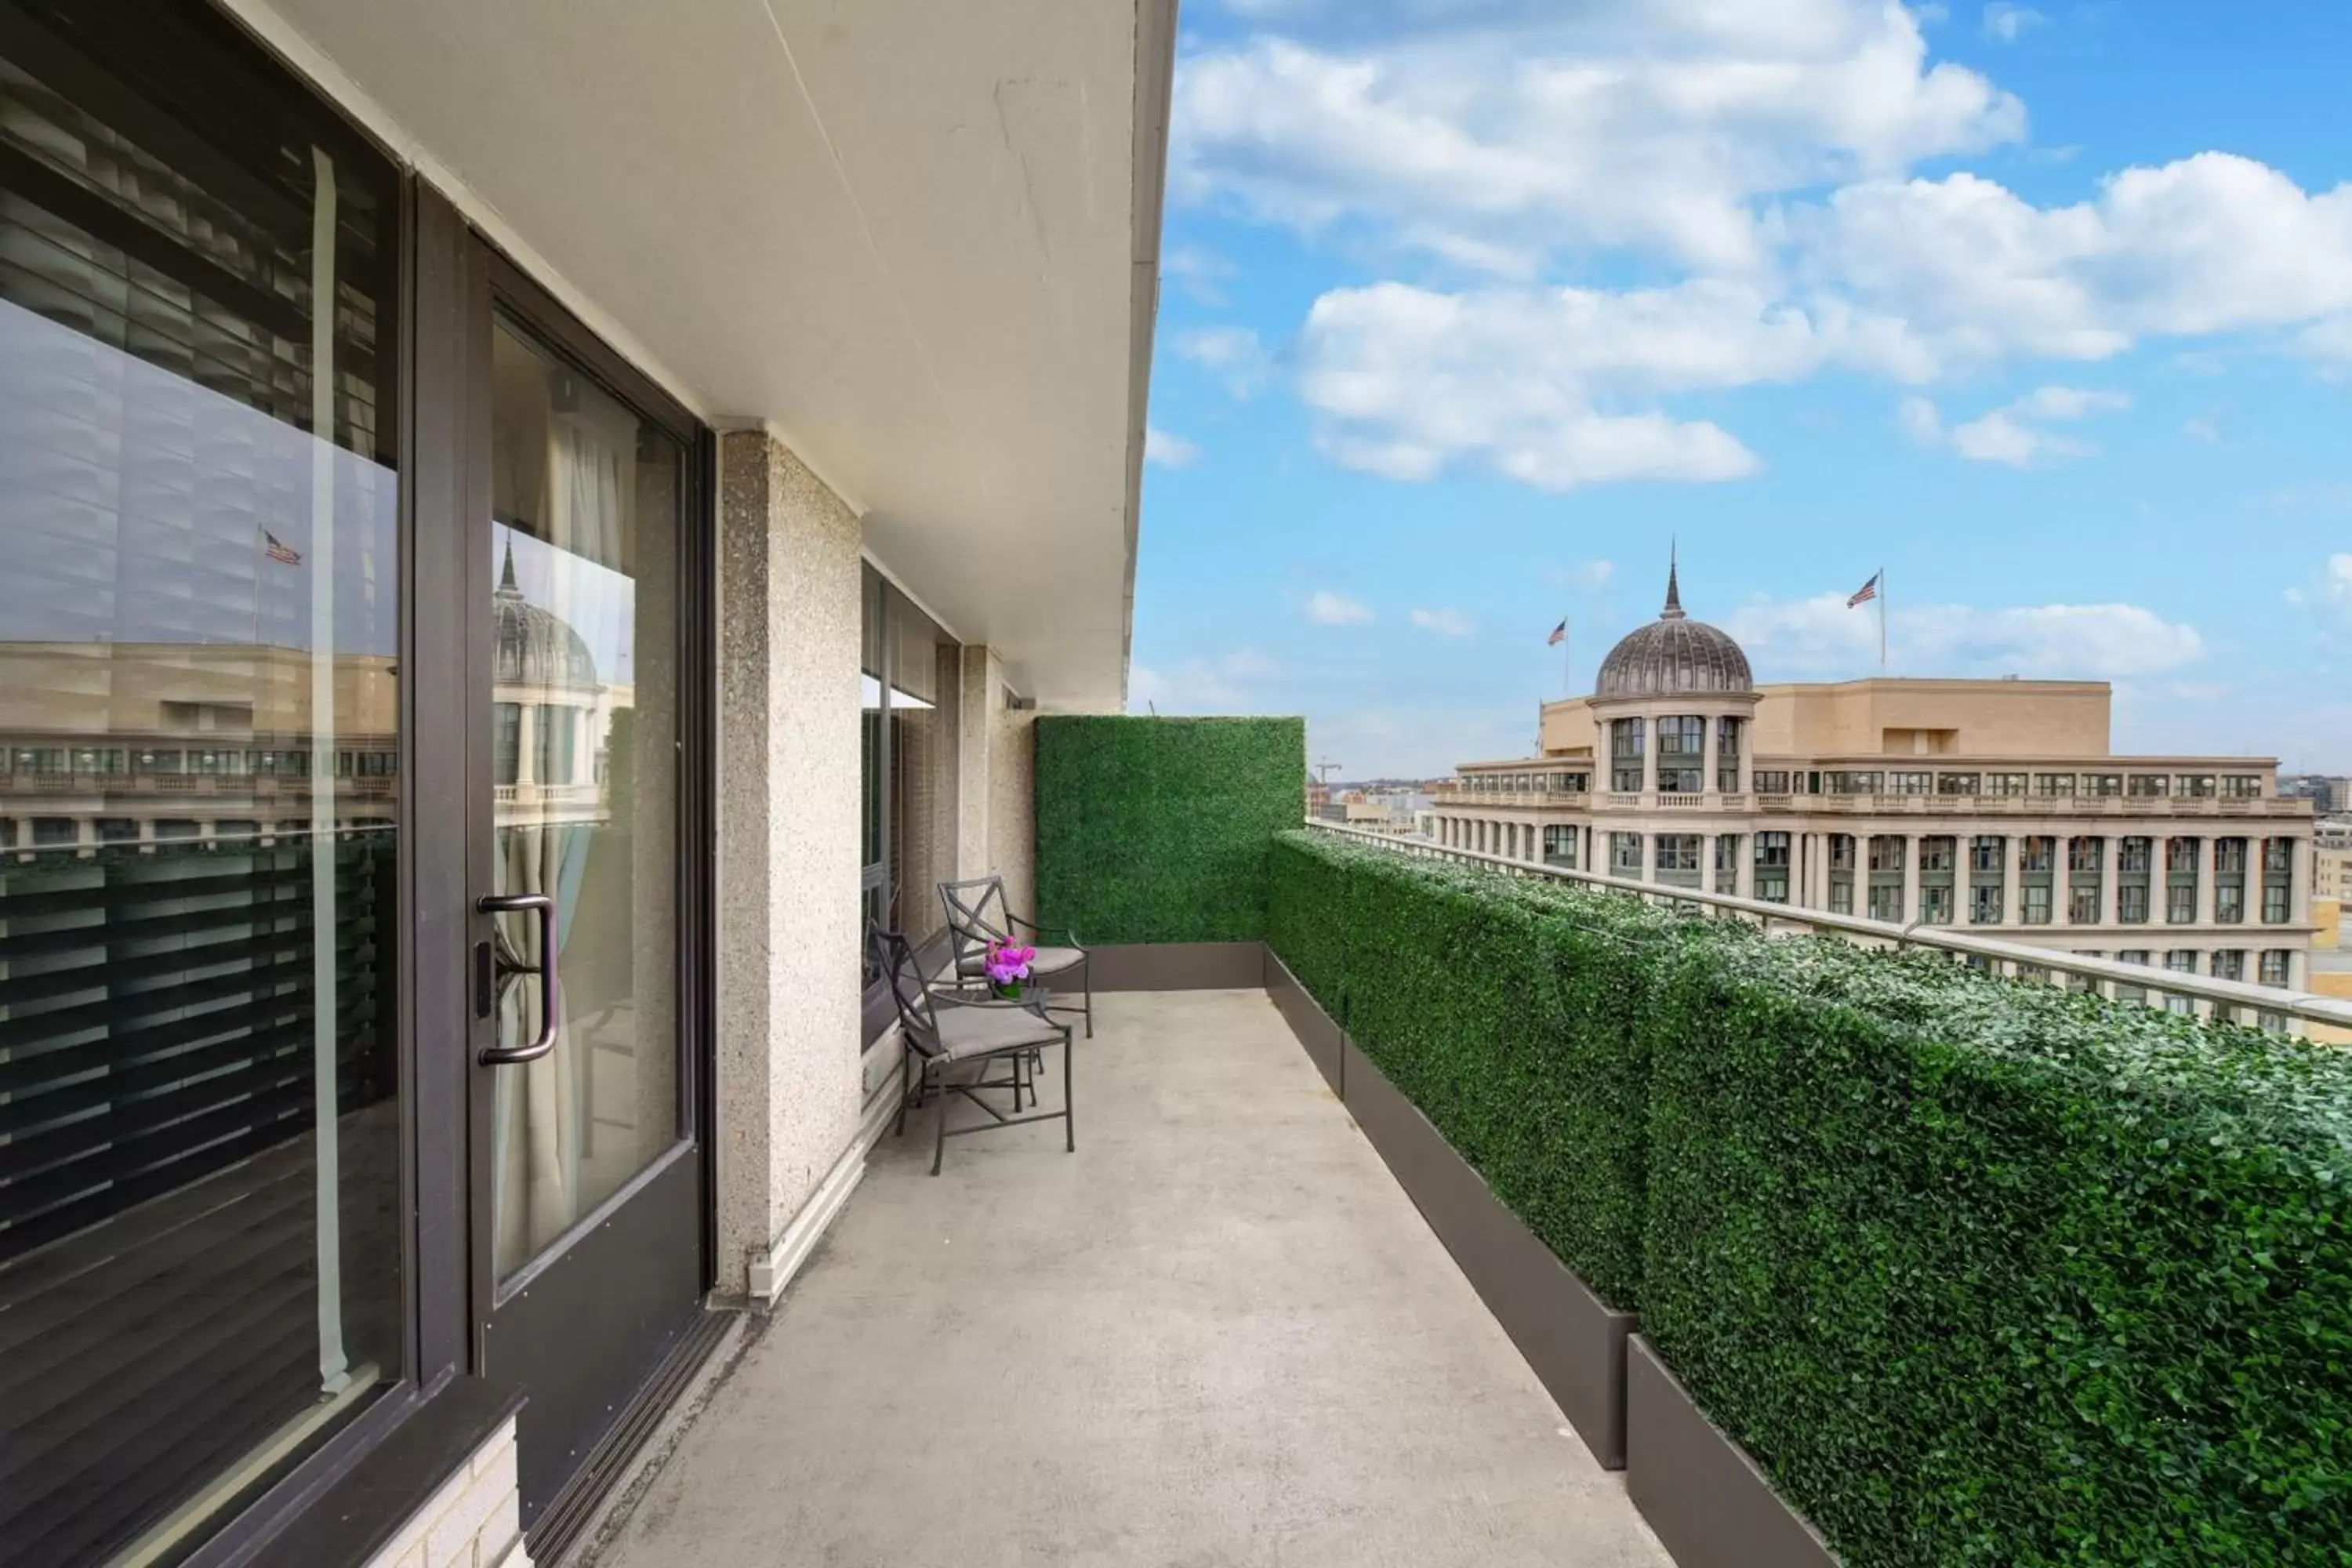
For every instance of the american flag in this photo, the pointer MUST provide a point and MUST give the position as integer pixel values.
(278, 550)
(1558, 636)
(1867, 592)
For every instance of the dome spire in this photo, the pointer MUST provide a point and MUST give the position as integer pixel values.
(507, 577)
(1674, 610)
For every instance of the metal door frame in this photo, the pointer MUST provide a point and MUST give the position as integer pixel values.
(664, 1216)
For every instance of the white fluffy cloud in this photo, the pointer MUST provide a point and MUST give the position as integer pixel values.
(1976, 274)
(2334, 595)
(1234, 352)
(1500, 132)
(2015, 433)
(1907, 281)
(1534, 385)
(1444, 623)
(1169, 451)
(1585, 576)
(1200, 273)
(2008, 21)
(1819, 636)
(1231, 683)
(1327, 608)
(1755, 159)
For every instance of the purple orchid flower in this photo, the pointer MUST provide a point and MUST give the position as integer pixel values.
(1008, 964)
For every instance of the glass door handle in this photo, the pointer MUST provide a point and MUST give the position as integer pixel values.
(544, 906)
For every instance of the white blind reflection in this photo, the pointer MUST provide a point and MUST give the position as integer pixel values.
(199, 1253)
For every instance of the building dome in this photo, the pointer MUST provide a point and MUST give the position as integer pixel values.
(1672, 655)
(536, 647)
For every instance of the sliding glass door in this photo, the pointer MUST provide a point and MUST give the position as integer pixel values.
(201, 1224)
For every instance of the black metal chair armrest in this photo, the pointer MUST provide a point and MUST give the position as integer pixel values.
(1069, 937)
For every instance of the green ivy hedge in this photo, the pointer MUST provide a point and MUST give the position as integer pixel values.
(1157, 829)
(1527, 1060)
(1979, 1272)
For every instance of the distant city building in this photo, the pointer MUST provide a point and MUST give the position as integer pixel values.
(2329, 794)
(1994, 806)
(1390, 810)
(2332, 861)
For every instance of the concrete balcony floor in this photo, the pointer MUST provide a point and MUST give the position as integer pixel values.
(1218, 1334)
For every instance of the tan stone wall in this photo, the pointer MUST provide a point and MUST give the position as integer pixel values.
(472, 1522)
(788, 1087)
(1568, 728)
(1935, 718)
(2332, 874)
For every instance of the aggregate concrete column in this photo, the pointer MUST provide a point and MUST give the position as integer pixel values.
(788, 1087)
(996, 806)
(975, 694)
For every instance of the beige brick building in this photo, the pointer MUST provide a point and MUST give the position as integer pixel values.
(1993, 805)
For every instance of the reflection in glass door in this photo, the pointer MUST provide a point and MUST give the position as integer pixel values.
(585, 498)
(200, 1200)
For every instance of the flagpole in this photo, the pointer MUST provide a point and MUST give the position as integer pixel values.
(258, 552)
(1566, 661)
(1882, 620)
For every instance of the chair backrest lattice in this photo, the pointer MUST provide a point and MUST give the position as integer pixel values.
(910, 990)
(978, 917)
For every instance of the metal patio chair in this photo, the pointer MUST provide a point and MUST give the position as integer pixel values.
(978, 917)
(947, 1032)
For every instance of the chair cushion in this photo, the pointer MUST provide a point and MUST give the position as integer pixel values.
(968, 1030)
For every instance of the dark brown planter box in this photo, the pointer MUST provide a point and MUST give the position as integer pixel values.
(1708, 1503)
(1574, 1342)
(1314, 1028)
(1179, 966)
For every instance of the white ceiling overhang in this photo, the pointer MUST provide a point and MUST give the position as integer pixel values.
(916, 240)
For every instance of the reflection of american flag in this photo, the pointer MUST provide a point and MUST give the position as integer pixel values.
(1867, 592)
(278, 550)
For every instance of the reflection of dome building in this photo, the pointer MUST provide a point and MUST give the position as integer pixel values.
(552, 716)
(1672, 655)
(536, 647)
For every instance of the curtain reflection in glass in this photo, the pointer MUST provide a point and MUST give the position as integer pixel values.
(585, 498)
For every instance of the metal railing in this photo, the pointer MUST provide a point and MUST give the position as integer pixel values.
(2151, 979)
(1889, 803)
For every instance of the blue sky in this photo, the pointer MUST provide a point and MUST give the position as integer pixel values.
(1471, 306)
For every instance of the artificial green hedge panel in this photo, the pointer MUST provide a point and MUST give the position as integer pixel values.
(1979, 1272)
(1497, 1006)
(1157, 829)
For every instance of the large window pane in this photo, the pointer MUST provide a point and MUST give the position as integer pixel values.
(585, 499)
(200, 1234)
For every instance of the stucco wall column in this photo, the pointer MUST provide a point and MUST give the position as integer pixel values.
(788, 1086)
(996, 810)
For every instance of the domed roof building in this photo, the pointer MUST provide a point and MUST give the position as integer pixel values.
(537, 647)
(1673, 655)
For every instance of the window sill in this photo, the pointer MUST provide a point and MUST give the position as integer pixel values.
(347, 1516)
